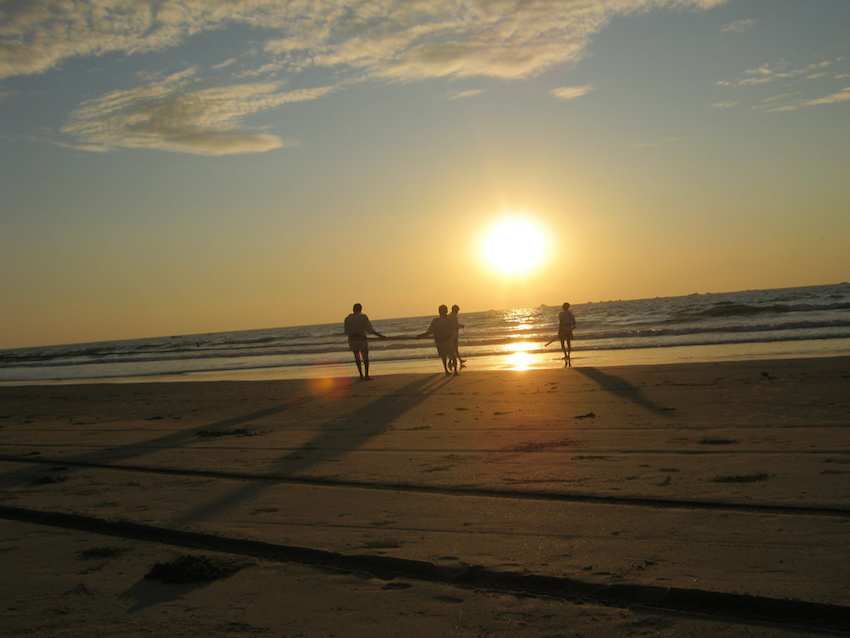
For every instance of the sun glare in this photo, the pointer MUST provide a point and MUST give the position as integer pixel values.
(514, 246)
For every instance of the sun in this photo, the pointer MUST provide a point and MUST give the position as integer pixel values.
(514, 246)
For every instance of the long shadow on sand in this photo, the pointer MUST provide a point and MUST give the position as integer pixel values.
(360, 426)
(136, 450)
(624, 389)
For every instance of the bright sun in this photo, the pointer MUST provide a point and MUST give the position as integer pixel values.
(514, 246)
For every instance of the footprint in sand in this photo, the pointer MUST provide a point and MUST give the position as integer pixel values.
(741, 478)
(386, 544)
(449, 599)
(102, 552)
(716, 440)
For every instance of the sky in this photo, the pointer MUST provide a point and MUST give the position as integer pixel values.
(183, 166)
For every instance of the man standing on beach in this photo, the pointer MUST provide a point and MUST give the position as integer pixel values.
(566, 325)
(356, 327)
(443, 332)
(456, 326)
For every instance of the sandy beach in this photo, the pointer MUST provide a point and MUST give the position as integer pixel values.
(643, 500)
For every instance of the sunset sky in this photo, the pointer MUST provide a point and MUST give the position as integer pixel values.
(185, 166)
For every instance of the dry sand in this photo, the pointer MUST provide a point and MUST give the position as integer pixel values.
(707, 479)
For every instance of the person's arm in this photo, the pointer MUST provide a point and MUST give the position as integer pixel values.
(370, 329)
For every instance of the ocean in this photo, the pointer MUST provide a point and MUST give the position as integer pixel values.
(753, 324)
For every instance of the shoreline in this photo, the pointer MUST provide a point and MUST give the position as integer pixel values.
(519, 362)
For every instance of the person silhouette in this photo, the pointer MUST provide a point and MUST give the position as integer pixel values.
(356, 327)
(566, 325)
(456, 326)
(442, 330)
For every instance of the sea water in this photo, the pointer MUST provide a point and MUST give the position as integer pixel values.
(789, 322)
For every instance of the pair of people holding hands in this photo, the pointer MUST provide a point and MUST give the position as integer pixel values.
(444, 328)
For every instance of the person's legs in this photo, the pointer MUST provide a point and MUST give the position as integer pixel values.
(357, 361)
(563, 338)
(569, 350)
(366, 362)
(443, 358)
(460, 361)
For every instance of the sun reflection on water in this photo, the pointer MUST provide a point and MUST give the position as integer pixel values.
(520, 361)
(520, 357)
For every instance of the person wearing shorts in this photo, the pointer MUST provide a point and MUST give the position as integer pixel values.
(456, 326)
(356, 327)
(566, 325)
(443, 331)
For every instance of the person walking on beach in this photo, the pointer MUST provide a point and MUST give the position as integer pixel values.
(442, 331)
(456, 326)
(357, 326)
(566, 325)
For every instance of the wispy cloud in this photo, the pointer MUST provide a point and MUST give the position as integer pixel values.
(773, 99)
(767, 73)
(739, 26)
(268, 68)
(462, 95)
(794, 78)
(395, 39)
(834, 98)
(837, 97)
(175, 113)
(724, 105)
(224, 64)
(377, 40)
(571, 92)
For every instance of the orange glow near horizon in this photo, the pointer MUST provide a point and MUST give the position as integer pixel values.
(515, 246)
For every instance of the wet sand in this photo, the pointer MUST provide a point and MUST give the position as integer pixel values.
(716, 491)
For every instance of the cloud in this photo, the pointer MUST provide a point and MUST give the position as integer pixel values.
(766, 73)
(739, 26)
(835, 98)
(571, 92)
(776, 98)
(462, 95)
(356, 40)
(724, 105)
(268, 68)
(224, 64)
(393, 39)
(6, 93)
(176, 113)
